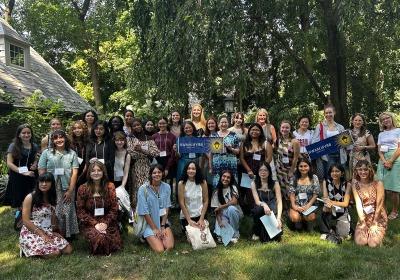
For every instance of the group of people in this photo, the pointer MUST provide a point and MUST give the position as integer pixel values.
(71, 183)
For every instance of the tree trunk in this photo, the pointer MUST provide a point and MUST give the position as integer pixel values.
(95, 83)
(8, 11)
(336, 61)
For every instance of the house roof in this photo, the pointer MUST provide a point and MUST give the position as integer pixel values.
(20, 83)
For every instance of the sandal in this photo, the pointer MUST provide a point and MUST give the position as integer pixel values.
(393, 215)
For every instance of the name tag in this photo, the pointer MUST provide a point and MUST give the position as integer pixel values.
(101, 160)
(257, 157)
(23, 169)
(285, 160)
(192, 155)
(163, 211)
(98, 212)
(145, 147)
(302, 196)
(163, 153)
(384, 148)
(46, 223)
(59, 171)
(80, 160)
(369, 209)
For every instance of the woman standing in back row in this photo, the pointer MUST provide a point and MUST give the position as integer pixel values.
(389, 163)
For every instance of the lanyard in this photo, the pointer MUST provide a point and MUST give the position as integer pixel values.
(94, 199)
(27, 159)
(58, 161)
(95, 149)
(165, 141)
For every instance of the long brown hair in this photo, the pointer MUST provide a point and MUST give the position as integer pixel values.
(104, 180)
(369, 167)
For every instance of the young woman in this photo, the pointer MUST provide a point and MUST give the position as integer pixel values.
(116, 123)
(90, 118)
(369, 196)
(78, 135)
(149, 128)
(142, 150)
(100, 146)
(226, 205)
(175, 123)
(227, 160)
(121, 161)
(165, 142)
(197, 118)
(262, 119)
(22, 165)
(128, 116)
(303, 134)
(254, 150)
(303, 194)
(363, 141)
(286, 155)
(38, 236)
(268, 199)
(192, 196)
(336, 195)
(55, 124)
(62, 162)
(323, 130)
(97, 211)
(154, 203)
(188, 131)
(389, 159)
(238, 126)
(205, 161)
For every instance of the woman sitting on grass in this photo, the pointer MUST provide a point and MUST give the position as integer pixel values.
(38, 236)
(303, 193)
(154, 202)
(369, 196)
(336, 194)
(225, 202)
(268, 199)
(98, 210)
(192, 197)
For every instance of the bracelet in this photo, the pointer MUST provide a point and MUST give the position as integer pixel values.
(163, 226)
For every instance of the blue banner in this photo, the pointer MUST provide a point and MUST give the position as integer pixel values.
(329, 145)
(200, 145)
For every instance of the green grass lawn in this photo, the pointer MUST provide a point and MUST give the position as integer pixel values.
(298, 256)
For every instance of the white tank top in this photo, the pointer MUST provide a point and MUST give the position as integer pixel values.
(193, 199)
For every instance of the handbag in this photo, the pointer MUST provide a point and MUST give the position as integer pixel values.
(200, 239)
(139, 222)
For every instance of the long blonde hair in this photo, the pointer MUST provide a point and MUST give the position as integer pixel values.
(262, 110)
(202, 120)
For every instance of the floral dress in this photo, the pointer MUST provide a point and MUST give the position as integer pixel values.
(371, 229)
(31, 243)
(100, 243)
(284, 159)
(359, 141)
(141, 163)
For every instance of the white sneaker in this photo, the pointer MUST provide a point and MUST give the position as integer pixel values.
(323, 236)
(234, 240)
(255, 237)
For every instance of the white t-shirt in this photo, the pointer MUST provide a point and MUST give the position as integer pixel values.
(389, 138)
(330, 133)
(304, 139)
(226, 192)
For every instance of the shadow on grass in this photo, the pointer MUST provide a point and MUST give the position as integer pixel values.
(298, 256)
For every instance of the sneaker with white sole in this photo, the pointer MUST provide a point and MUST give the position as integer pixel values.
(323, 236)
(234, 240)
(255, 237)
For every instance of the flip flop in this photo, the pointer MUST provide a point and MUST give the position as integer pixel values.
(393, 215)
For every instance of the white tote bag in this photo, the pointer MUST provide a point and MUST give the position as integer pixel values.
(200, 239)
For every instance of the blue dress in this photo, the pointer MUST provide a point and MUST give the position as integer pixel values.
(227, 160)
(153, 204)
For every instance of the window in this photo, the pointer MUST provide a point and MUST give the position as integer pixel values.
(17, 55)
